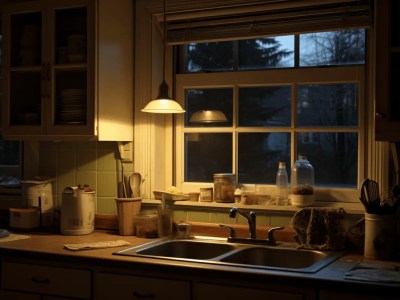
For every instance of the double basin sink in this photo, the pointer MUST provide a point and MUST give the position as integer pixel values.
(283, 257)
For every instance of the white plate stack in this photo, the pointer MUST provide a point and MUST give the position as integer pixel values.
(73, 106)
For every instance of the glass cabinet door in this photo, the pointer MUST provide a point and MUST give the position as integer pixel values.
(70, 66)
(46, 77)
(26, 88)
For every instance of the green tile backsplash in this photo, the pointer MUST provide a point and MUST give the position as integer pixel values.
(93, 163)
(97, 164)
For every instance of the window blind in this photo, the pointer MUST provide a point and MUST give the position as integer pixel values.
(227, 20)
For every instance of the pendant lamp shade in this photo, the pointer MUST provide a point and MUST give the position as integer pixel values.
(163, 104)
(208, 116)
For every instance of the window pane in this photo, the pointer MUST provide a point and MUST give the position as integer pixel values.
(265, 106)
(207, 154)
(9, 153)
(332, 48)
(215, 56)
(199, 100)
(333, 156)
(264, 53)
(259, 154)
(328, 105)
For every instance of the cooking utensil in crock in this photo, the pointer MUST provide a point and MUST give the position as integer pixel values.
(370, 196)
(364, 197)
(135, 181)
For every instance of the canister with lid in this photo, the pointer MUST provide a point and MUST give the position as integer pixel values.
(146, 225)
(224, 187)
(302, 181)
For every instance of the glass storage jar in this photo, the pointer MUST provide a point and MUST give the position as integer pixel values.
(146, 225)
(224, 187)
(302, 182)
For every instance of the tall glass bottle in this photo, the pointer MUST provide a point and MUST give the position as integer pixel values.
(282, 186)
(302, 181)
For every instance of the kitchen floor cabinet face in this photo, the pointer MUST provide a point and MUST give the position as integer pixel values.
(334, 295)
(114, 286)
(45, 280)
(217, 292)
(57, 75)
(7, 295)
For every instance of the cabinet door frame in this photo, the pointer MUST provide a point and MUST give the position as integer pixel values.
(48, 70)
(385, 128)
(8, 12)
(87, 129)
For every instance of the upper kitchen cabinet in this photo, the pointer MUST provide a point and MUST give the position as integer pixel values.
(387, 49)
(68, 70)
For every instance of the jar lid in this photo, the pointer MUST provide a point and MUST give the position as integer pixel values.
(225, 175)
(146, 216)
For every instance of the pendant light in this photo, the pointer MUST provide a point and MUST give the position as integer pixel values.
(208, 116)
(163, 104)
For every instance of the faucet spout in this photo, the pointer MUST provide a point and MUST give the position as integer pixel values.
(251, 219)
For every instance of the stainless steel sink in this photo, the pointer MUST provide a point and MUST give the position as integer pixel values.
(281, 258)
(284, 257)
(187, 249)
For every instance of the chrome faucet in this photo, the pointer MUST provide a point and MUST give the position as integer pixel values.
(251, 219)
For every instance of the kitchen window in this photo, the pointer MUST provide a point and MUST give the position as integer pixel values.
(281, 96)
(293, 80)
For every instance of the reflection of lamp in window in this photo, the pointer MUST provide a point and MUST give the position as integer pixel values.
(208, 116)
(163, 104)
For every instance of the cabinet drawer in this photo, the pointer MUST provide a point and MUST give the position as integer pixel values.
(8, 295)
(46, 280)
(114, 286)
(214, 292)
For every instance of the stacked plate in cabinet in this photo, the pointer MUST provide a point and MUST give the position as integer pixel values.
(73, 106)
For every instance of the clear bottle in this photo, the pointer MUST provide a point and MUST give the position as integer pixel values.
(282, 186)
(302, 180)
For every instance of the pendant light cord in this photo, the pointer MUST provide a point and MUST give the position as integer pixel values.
(164, 36)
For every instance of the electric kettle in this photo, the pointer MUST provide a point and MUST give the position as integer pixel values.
(77, 210)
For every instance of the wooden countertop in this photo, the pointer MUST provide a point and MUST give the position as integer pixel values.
(50, 246)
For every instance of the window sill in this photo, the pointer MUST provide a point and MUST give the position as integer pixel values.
(350, 208)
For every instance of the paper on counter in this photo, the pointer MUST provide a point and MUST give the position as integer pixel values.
(14, 237)
(374, 273)
(97, 245)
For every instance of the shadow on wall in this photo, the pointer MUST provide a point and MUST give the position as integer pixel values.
(94, 163)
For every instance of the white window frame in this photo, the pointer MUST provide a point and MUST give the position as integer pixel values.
(153, 134)
(275, 77)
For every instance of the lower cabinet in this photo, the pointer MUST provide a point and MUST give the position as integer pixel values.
(115, 286)
(26, 281)
(217, 292)
(35, 280)
(335, 295)
(8, 295)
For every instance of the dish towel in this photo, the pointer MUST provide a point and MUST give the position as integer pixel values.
(97, 245)
(374, 273)
(13, 237)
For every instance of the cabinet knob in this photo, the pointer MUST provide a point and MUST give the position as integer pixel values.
(40, 280)
(380, 115)
(143, 295)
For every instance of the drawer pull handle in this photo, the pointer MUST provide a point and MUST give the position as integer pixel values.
(41, 281)
(143, 296)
